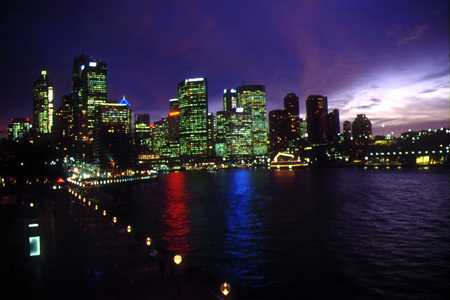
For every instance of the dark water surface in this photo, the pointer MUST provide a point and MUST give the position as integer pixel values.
(342, 232)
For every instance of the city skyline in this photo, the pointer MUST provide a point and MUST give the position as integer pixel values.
(413, 69)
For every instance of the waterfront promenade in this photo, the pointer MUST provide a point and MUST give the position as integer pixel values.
(85, 256)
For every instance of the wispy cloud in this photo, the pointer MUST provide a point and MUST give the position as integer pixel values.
(414, 34)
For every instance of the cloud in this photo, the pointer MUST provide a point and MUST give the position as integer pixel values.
(427, 91)
(415, 34)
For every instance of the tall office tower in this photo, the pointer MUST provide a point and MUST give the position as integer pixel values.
(220, 146)
(291, 105)
(142, 133)
(174, 120)
(238, 136)
(43, 105)
(347, 126)
(193, 97)
(279, 130)
(317, 118)
(89, 91)
(19, 129)
(303, 129)
(229, 99)
(113, 147)
(361, 129)
(252, 98)
(211, 135)
(64, 124)
(334, 126)
(160, 139)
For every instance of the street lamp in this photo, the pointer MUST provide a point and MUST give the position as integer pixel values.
(129, 228)
(225, 288)
(104, 213)
(96, 207)
(177, 259)
(148, 241)
(114, 220)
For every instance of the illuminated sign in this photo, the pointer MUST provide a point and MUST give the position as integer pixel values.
(173, 99)
(92, 64)
(239, 109)
(194, 79)
(174, 113)
(35, 245)
(33, 225)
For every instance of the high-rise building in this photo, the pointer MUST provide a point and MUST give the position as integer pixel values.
(279, 130)
(347, 128)
(252, 100)
(89, 91)
(239, 137)
(222, 120)
(334, 126)
(291, 105)
(113, 147)
(229, 99)
(43, 105)
(174, 120)
(160, 139)
(19, 129)
(317, 118)
(211, 135)
(193, 97)
(361, 129)
(142, 133)
(64, 127)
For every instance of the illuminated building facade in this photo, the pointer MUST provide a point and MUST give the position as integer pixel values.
(229, 99)
(361, 130)
(334, 126)
(239, 135)
(142, 133)
(160, 139)
(222, 119)
(211, 135)
(43, 105)
(279, 130)
(193, 98)
(113, 147)
(291, 106)
(252, 99)
(89, 90)
(19, 129)
(317, 118)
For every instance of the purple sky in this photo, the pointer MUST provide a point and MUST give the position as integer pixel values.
(387, 59)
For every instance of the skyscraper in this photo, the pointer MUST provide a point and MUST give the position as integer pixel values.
(229, 99)
(279, 131)
(142, 133)
(361, 129)
(113, 135)
(317, 118)
(239, 137)
(89, 90)
(19, 129)
(43, 105)
(347, 128)
(222, 127)
(193, 97)
(291, 105)
(334, 126)
(252, 99)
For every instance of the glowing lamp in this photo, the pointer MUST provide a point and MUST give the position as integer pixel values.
(31, 204)
(96, 207)
(148, 241)
(225, 288)
(104, 213)
(177, 259)
(89, 203)
(129, 228)
(114, 220)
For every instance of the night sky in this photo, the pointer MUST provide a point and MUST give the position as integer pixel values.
(387, 59)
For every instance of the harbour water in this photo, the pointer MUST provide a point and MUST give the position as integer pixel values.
(343, 232)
